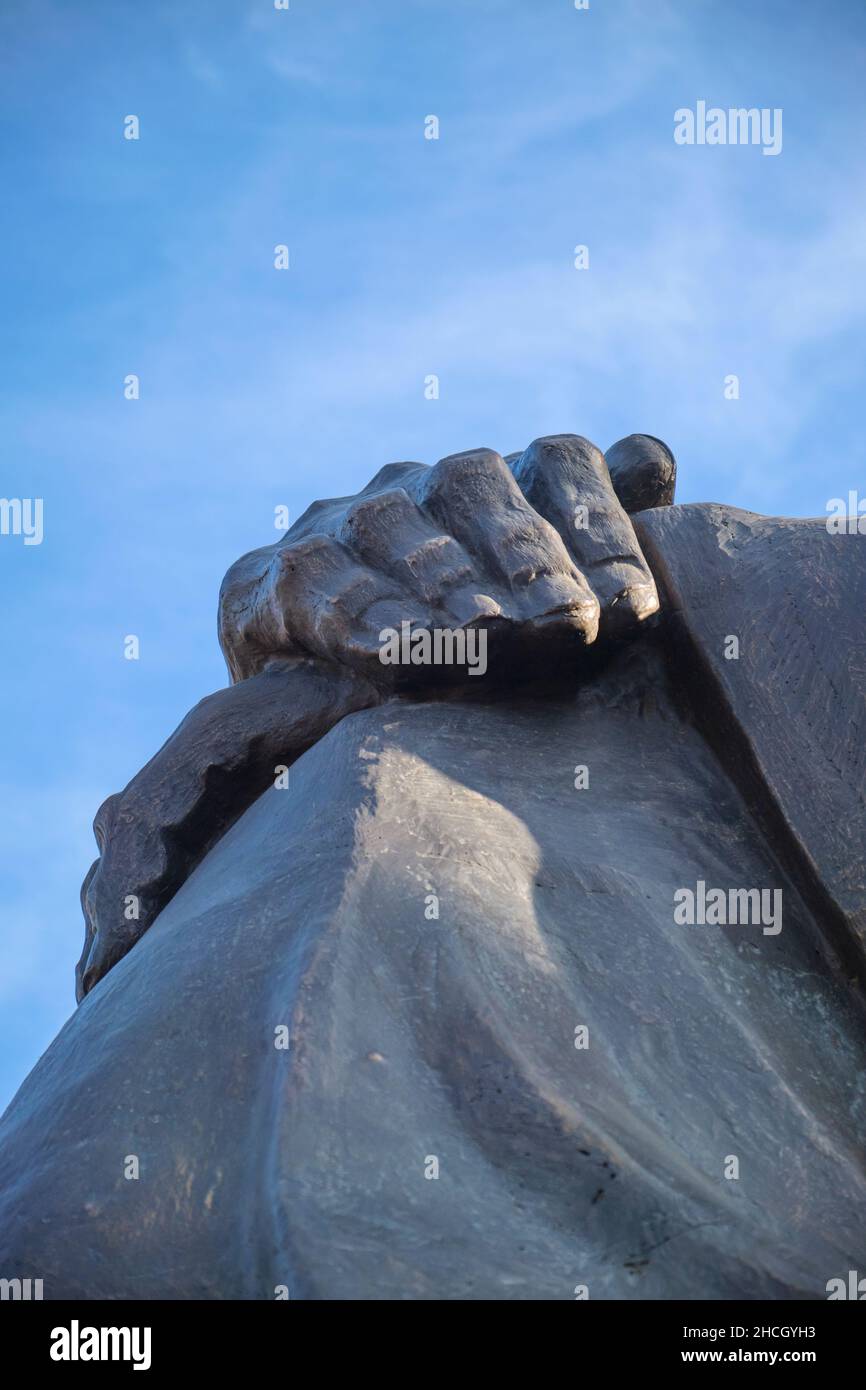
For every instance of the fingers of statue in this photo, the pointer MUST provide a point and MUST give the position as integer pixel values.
(537, 549)
(566, 480)
(323, 599)
(474, 497)
(391, 534)
(452, 546)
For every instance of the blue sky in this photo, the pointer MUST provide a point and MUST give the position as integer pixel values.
(408, 257)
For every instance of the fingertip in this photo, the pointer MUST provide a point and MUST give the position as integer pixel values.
(643, 471)
(630, 606)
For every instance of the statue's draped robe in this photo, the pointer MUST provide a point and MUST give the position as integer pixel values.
(551, 1085)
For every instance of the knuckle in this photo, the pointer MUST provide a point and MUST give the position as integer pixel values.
(554, 450)
(370, 513)
(559, 459)
(310, 551)
(478, 469)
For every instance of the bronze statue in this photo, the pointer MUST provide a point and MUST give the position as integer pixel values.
(543, 984)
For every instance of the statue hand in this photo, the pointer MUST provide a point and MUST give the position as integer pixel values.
(541, 551)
